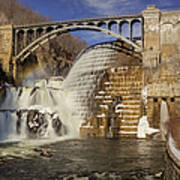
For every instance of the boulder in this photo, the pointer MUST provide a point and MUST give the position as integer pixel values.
(38, 122)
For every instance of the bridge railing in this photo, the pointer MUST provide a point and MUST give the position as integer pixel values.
(26, 34)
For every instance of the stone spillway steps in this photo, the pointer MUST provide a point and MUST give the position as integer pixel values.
(127, 83)
(85, 75)
(129, 114)
(127, 111)
(88, 77)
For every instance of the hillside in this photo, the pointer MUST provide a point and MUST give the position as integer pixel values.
(49, 56)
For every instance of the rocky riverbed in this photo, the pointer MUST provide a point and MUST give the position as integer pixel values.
(82, 159)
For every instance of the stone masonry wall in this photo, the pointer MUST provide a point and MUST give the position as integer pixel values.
(169, 35)
(161, 41)
(161, 58)
(118, 104)
(168, 90)
(6, 40)
(151, 50)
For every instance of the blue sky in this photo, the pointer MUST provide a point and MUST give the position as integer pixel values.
(74, 9)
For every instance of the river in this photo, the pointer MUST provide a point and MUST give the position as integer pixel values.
(29, 110)
(122, 159)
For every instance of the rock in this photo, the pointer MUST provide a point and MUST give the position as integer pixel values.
(159, 174)
(39, 122)
(82, 178)
(2, 162)
(128, 177)
(93, 177)
(149, 177)
(71, 177)
(157, 136)
(37, 150)
(46, 154)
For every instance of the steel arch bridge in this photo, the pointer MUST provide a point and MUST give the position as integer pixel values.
(27, 38)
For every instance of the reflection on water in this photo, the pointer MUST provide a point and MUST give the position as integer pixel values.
(80, 156)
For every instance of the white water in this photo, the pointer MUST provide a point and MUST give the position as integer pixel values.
(85, 78)
(164, 118)
(44, 96)
(74, 99)
(144, 129)
(6, 125)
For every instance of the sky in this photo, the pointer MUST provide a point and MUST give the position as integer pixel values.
(59, 10)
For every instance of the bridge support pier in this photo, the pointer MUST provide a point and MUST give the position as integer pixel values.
(6, 44)
(14, 68)
(151, 52)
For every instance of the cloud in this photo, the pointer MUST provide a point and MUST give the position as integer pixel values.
(109, 7)
(98, 8)
(120, 7)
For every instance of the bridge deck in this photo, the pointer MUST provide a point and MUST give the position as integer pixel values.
(107, 18)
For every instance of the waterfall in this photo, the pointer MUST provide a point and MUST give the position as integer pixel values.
(10, 98)
(71, 100)
(7, 113)
(164, 118)
(85, 77)
(7, 125)
(41, 107)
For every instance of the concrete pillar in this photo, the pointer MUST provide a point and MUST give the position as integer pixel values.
(151, 52)
(119, 24)
(15, 43)
(109, 25)
(130, 30)
(14, 70)
(25, 40)
(150, 112)
(6, 41)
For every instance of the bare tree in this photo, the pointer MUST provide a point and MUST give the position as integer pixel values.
(65, 47)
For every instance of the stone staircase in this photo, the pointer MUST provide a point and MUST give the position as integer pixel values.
(129, 115)
(126, 83)
(119, 103)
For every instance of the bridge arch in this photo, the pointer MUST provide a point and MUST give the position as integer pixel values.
(113, 26)
(102, 24)
(136, 29)
(39, 32)
(55, 32)
(20, 36)
(30, 36)
(125, 28)
(49, 29)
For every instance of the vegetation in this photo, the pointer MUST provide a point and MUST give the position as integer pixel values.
(18, 13)
(65, 47)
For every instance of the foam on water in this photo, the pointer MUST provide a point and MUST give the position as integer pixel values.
(73, 100)
(41, 97)
(86, 75)
(164, 118)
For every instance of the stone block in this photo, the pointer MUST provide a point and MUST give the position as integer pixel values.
(6, 44)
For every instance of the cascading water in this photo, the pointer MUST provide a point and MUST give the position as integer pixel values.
(86, 74)
(30, 109)
(164, 118)
(6, 125)
(73, 100)
(7, 112)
